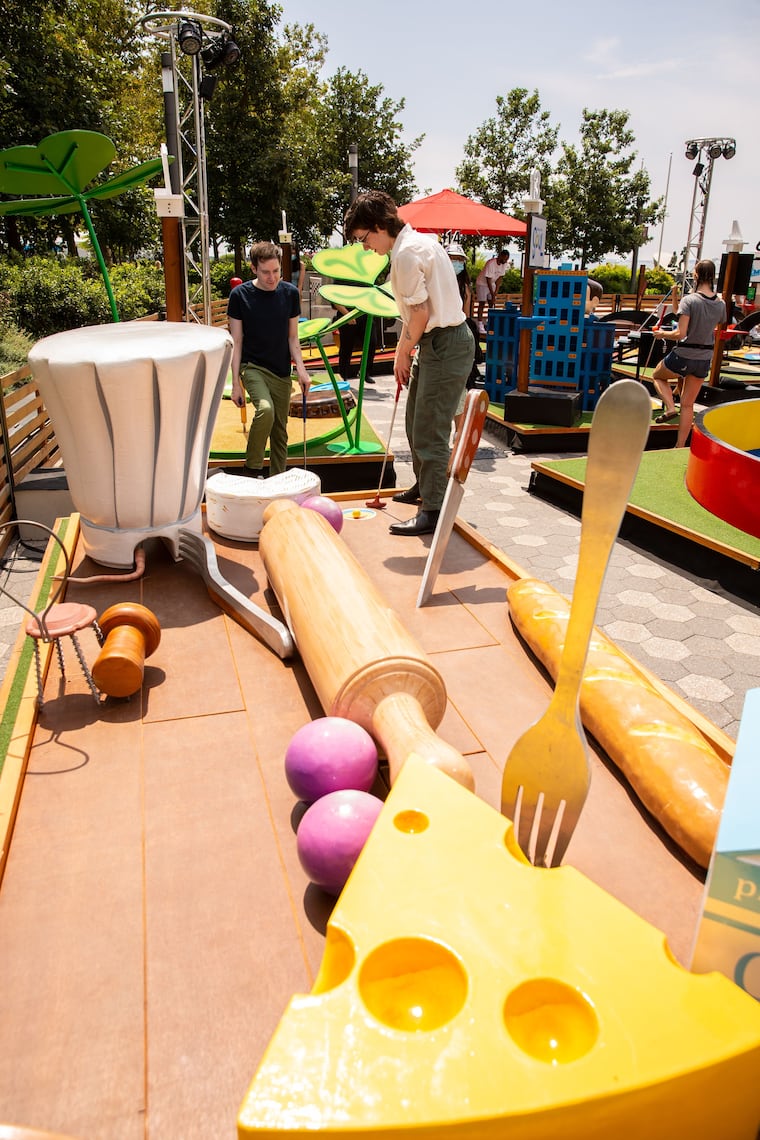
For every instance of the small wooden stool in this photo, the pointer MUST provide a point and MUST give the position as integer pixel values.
(64, 619)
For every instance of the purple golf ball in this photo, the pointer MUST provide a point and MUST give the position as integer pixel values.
(329, 754)
(332, 834)
(327, 509)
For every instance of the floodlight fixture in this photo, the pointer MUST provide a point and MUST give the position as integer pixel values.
(231, 52)
(213, 53)
(705, 151)
(189, 37)
(221, 50)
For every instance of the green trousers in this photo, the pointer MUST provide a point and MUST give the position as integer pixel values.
(438, 377)
(270, 396)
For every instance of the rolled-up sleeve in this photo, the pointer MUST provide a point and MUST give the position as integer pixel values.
(409, 280)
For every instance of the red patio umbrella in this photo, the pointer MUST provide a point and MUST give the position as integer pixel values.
(446, 211)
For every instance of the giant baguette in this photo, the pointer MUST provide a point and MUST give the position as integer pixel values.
(678, 777)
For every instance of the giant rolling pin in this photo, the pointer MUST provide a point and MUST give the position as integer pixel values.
(363, 663)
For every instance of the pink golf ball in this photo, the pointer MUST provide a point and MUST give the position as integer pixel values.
(330, 754)
(327, 509)
(332, 834)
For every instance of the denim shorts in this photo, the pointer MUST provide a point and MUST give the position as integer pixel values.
(683, 367)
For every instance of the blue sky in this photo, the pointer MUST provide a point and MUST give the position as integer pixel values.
(682, 71)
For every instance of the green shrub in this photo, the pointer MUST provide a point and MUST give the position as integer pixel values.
(222, 271)
(138, 288)
(50, 295)
(659, 280)
(612, 278)
(474, 268)
(511, 282)
(14, 342)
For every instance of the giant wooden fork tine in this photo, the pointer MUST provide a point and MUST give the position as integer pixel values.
(547, 774)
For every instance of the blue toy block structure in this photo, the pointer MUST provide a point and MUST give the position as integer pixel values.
(502, 347)
(596, 360)
(569, 351)
(557, 338)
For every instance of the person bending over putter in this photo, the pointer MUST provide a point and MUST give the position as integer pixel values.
(425, 288)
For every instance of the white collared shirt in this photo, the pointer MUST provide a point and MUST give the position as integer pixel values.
(421, 271)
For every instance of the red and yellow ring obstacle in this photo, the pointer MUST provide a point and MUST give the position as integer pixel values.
(723, 472)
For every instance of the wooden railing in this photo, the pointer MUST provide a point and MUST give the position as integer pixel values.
(610, 303)
(218, 313)
(27, 439)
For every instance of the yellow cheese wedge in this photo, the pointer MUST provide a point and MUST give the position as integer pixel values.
(466, 994)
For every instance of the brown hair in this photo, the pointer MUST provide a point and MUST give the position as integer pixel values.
(595, 289)
(373, 210)
(704, 273)
(265, 251)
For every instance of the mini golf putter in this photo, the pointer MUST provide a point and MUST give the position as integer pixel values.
(475, 411)
(465, 993)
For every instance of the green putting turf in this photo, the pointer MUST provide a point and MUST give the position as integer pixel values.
(660, 495)
(229, 442)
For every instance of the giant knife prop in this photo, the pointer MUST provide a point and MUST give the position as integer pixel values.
(475, 411)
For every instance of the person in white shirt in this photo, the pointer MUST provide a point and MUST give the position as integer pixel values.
(425, 288)
(487, 283)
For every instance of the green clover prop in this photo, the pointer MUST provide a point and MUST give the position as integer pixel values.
(62, 166)
(361, 268)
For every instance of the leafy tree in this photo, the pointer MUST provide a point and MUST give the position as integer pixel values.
(600, 206)
(501, 154)
(302, 56)
(72, 65)
(354, 110)
(247, 165)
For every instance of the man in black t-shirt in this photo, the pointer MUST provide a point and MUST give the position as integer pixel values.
(263, 319)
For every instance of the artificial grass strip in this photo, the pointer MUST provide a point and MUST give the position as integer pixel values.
(660, 490)
(15, 693)
(26, 657)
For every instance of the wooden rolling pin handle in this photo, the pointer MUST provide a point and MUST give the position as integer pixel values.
(399, 723)
(132, 633)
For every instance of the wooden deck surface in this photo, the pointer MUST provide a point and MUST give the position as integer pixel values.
(154, 918)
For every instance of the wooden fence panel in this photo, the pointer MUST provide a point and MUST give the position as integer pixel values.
(218, 313)
(27, 439)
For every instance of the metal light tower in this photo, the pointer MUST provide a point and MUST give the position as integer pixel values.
(705, 151)
(192, 38)
(353, 167)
